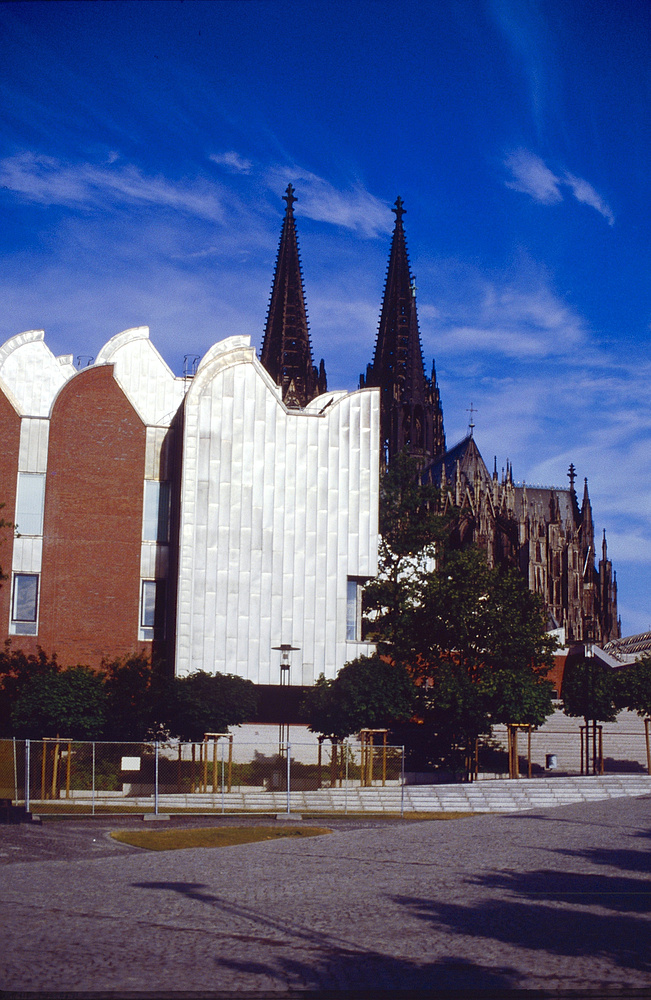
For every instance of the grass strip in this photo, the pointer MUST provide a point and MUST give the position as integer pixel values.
(214, 836)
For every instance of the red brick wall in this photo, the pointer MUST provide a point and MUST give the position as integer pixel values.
(555, 675)
(93, 523)
(9, 446)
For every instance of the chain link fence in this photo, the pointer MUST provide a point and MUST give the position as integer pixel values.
(219, 773)
(227, 774)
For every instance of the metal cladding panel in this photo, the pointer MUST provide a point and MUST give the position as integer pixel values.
(148, 560)
(156, 453)
(264, 498)
(154, 561)
(145, 378)
(34, 435)
(27, 555)
(32, 373)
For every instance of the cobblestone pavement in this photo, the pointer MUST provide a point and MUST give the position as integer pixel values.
(557, 899)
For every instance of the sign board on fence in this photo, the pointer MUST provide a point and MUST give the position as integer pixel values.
(130, 764)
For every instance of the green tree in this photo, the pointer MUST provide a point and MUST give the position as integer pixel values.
(590, 690)
(368, 693)
(482, 650)
(67, 703)
(17, 670)
(412, 535)
(633, 686)
(138, 698)
(210, 703)
(473, 637)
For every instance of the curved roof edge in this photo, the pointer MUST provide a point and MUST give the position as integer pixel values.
(119, 340)
(11, 345)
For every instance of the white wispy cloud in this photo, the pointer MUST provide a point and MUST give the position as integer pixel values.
(354, 209)
(531, 175)
(500, 319)
(586, 194)
(233, 162)
(48, 181)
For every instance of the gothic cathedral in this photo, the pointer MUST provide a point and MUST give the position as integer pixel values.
(543, 531)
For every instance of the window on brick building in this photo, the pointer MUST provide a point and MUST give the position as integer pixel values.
(152, 618)
(24, 604)
(156, 511)
(30, 501)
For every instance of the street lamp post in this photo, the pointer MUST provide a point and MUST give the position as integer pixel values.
(285, 649)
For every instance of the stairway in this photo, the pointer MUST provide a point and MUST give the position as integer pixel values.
(484, 796)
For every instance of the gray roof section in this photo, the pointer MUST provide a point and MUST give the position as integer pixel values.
(470, 461)
(542, 500)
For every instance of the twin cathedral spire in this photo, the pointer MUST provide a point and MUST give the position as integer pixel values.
(541, 530)
(411, 415)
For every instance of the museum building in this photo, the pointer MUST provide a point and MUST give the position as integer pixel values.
(215, 517)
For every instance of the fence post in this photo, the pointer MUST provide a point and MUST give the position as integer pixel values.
(156, 777)
(222, 746)
(15, 774)
(344, 747)
(93, 783)
(402, 784)
(27, 748)
(289, 777)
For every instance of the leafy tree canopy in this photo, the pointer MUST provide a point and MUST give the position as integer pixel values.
(137, 698)
(368, 693)
(127, 700)
(634, 686)
(591, 690)
(473, 637)
(210, 703)
(17, 670)
(481, 647)
(67, 703)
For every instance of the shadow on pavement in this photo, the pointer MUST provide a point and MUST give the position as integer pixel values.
(331, 963)
(632, 861)
(623, 940)
(611, 892)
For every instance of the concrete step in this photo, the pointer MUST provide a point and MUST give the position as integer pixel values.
(498, 795)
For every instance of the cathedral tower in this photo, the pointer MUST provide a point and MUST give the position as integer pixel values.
(286, 347)
(411, 415)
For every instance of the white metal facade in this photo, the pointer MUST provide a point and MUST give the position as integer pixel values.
(279, 510)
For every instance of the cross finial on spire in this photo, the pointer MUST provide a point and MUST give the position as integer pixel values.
(398, 209)
(471, 423)
(289, 197)
(571, 475)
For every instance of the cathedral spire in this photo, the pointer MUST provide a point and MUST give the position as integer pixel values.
(587, 524)
(411, 415)
(286, 347)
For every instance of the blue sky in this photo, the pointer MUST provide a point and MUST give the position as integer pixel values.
(144, 149)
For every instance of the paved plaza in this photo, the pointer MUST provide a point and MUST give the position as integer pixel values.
(552, 899)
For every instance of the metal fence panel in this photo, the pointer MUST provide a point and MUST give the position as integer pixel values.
(222, 774)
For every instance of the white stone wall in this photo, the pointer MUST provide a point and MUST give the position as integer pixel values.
(278, 509)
